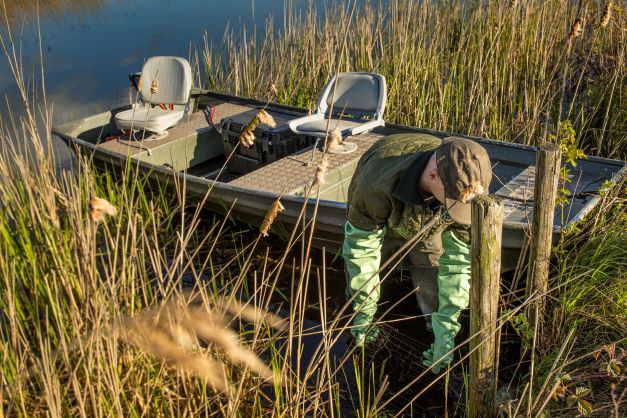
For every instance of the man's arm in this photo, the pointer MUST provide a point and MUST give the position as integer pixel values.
(454, 294)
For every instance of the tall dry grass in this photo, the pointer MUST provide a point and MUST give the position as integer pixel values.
(118, 298)
(136, 311)
(505, 70)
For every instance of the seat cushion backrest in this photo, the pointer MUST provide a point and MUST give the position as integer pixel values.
(173, 77)
(355, 91)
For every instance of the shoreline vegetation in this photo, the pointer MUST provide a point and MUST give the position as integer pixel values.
(503, 70)
(121, 298)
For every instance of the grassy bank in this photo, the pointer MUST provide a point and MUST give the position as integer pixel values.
(580, 356)
(581, 362)
(119, 299)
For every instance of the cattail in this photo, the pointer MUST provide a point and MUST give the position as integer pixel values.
(154, 87)
(470, 192)
(309, 110)
(321, 171)
(266, 118)
(335, 139)
(576, 30)
(276, 208)
(607, 14)
(247, 138)
(139, 83)
(99, 208)
(274, 92)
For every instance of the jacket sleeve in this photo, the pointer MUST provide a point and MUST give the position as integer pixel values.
(454, 294)
(362, 256)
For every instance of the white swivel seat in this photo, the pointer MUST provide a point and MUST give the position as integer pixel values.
(353, 103)
(164, 91)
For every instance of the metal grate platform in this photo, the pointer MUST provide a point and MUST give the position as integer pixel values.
(291, 174)
(288, 175)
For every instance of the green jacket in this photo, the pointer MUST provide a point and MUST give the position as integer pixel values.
(384, 189)
(384, 201)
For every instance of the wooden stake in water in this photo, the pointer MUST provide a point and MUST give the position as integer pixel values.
(548, 160)
(487, 227)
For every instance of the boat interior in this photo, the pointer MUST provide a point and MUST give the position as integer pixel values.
(199, 133)
(280, 162)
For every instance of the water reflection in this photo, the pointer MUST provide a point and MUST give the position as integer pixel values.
(17, 10)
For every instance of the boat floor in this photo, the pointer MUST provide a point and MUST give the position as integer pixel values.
(298, 170)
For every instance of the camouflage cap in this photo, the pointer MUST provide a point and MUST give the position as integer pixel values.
(465, 170)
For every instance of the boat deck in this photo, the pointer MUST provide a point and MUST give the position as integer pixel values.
(294, 174)
(288, 175)
(196, 122)
(194, 148)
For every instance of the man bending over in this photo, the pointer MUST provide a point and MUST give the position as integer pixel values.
(400, 183)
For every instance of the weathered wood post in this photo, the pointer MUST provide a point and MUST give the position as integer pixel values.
(548, 159)
(487, 226)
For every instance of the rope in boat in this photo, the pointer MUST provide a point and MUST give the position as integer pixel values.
(210, 113)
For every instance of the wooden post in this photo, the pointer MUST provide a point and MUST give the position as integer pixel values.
(487, 227)
(548, 160)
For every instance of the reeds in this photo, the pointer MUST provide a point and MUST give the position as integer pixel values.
(476, 68)
(247, 137)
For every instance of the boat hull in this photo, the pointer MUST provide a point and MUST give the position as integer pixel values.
(251, 205)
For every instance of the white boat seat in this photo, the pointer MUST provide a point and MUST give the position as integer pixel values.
(151, 119)
(361, 95)
(165, 81)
